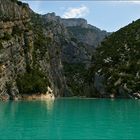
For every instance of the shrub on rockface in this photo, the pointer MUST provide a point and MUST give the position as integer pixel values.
(7, 36)
(32, 82)
(1, 46)
(16, 30)
(76, 78)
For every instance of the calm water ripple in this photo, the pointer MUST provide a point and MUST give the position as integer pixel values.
(70, 119)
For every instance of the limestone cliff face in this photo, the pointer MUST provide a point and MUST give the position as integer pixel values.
(55, 35)
(28, 50)
(81, 39)
(84, 32)
(72, 22)
(15, 40)
(81, 30)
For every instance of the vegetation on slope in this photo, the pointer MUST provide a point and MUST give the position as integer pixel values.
(75, 76)
(118, 60)
(32, 82)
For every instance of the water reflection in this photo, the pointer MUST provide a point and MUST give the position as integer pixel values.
(14, 111)
(48, 104)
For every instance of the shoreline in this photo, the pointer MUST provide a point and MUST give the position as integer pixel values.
(49, 97)
(27, 97)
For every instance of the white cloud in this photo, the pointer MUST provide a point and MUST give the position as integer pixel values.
(76, 12)
(127, 1)
(136, 2)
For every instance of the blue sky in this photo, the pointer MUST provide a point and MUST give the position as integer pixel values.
(106, 15)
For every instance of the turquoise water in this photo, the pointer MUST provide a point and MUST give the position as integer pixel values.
(70, 119)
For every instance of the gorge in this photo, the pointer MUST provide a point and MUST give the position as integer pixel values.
(70, 56)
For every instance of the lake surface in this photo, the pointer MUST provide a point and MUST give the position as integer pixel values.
(70, 119)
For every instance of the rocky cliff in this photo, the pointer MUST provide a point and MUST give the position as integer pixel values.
(40, 51)
(30, 55)
(80, 32)
(81, 39)
(74, 22)
(15, 38)
(84, 32)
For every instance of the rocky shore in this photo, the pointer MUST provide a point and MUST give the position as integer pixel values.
(49, 95)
